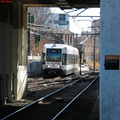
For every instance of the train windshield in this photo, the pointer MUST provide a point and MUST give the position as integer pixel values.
(53, 55)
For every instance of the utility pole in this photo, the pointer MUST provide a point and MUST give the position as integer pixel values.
(29, 21)
(94, 55)
(80, 52)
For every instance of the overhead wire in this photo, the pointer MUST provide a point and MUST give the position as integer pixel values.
(74, 18)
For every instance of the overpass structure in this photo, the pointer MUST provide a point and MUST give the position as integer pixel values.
(63, 4)
(13, 49)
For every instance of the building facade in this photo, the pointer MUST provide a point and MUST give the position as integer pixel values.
(56, 36)
(59, 20)
(90, 46)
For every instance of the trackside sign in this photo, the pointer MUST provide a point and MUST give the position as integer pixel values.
(111, 62)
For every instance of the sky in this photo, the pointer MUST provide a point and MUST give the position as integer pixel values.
(79, 24)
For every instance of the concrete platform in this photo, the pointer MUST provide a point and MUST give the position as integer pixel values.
(94, 115)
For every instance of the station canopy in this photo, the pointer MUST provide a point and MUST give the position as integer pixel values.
(63, 4)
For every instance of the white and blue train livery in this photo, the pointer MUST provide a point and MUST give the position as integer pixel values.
(60, 59)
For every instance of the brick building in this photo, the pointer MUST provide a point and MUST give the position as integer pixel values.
(49, 36)
(90, 45)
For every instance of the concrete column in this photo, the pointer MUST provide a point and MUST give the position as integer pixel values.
(19, 50)
(109, 60)
(13, 51)
(5, 50)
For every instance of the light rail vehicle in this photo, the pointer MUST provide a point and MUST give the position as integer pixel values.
(60, 59)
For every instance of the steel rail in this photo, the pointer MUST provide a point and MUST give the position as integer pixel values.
(56, 116)
(25, 107)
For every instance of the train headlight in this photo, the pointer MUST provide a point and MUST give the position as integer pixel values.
(59, 66)
(47, 66)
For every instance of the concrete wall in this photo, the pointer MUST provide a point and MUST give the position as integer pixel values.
(22, 81)
(35, 68)
(110, 45)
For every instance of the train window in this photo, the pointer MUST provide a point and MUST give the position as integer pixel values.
(64, 59)
(53, 55)
(54, 51)
(67, 59)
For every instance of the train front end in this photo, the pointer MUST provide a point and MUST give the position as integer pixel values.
(52, 60)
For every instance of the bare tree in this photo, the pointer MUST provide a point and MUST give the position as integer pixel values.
(42, 15)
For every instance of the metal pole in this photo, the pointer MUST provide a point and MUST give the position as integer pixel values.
(94, 56)
(29, 33)
(80, 60)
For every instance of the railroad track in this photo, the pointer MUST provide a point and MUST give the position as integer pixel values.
(44, 83)
(54, 104)
(61, 114)
(37, 85)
